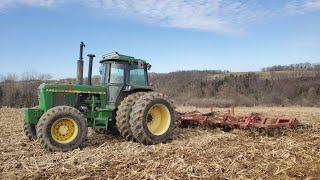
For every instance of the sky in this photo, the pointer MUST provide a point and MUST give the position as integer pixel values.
(245, 35)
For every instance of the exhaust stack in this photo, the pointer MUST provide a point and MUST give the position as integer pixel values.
(91, 56)
(80, 65)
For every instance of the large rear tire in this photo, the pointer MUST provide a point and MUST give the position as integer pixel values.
(123, 115)
(62, 128)
(152, 119)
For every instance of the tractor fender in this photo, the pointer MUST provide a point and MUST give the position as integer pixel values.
(133, 89)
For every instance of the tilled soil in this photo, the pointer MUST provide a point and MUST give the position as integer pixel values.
(193, 153)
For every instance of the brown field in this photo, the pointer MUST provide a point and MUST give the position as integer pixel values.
(192, 154)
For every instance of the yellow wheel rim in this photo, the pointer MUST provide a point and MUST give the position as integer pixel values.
(64, 130)
(158, 119)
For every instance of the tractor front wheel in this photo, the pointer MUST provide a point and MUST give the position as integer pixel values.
(152, 119)
(62, 128)
(30, 131)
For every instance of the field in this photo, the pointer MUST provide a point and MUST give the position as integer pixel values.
(192, 154)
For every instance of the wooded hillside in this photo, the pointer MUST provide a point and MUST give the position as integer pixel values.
(198, 88)
(203, 88)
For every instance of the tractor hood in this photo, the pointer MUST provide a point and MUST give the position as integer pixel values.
(72, 88)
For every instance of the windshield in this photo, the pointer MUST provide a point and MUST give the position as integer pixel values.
(116, 73)
(120, 73)
(112, 73)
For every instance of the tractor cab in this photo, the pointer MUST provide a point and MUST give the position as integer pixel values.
(122, 74)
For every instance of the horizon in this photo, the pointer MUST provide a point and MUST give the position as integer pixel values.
(239, 36)
(40, 76)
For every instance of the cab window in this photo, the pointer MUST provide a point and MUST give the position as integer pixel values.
(103, 73)
(116, 73)
(137, 77)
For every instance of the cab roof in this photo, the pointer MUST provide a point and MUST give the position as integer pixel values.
(115, 56)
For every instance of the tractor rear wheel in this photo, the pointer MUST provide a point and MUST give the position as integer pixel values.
(123, 115)
(62, 128)
(152, 119)
(30, 131)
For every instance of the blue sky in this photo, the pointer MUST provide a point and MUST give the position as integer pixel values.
(245, 35)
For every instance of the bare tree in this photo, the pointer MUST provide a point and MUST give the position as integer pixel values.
(11, 77)
(317, 68)
(1, 94)
(35, 76)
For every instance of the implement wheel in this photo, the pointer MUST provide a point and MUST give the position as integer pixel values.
(62, 128)
(30, 131)
(123, 115)
(152, 119)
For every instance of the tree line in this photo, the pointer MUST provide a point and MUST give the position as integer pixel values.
(198, 88)
(293, 67)
(241, 89)
(21, 91)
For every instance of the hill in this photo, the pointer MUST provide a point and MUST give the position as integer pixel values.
(202, 88)
(211, 88)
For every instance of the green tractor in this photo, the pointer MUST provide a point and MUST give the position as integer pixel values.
(124, 102)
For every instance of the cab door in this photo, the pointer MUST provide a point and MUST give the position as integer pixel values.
(114, 79)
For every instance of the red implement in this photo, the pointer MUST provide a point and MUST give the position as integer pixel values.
(229, 119)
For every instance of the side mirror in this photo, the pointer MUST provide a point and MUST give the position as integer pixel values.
(148, 67)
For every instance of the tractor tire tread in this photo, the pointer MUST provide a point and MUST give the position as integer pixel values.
(136, 120)
(123, 115)
(30, 131)
(43, 136)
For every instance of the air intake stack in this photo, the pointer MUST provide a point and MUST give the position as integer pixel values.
(91, 56)
(80, 65)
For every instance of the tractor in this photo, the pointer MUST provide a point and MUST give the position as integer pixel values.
(124, 102)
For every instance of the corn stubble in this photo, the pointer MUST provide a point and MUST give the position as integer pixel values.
(193, 153)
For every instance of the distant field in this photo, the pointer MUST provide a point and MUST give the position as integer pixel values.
(192, 153)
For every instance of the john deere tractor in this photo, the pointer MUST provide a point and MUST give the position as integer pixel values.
(124, 101)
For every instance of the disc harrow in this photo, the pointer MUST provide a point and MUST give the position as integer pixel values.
(229, 119)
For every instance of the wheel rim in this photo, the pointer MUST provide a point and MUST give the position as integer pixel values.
(158, 119)
(64, 130)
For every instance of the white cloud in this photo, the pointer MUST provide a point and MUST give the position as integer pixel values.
(301, 6)
(5, 4)
(315, 4)
(219, 16)
(223, 16)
